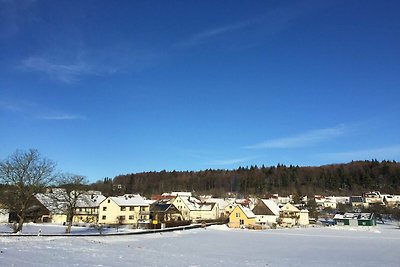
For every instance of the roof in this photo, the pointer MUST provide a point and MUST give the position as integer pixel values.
(354, 215)
(247, 212)
(289, 207)
(193, 204)
(271, 205)
(89, 200)
(130, 200)
(222, 203)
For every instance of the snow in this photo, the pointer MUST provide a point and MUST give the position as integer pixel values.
(213, 246)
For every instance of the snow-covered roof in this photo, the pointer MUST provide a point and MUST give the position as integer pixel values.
(247, 212)
(193, 204)
(354, 215)
(88, 200)
(271, 205)
(55, 201)
(130, 200)
(222, 203)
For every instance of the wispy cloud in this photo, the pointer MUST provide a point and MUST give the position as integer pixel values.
(387, 152)
(302, 140)
(202, 37)
(63, 72)
(35, 111)
(64, 117)
(229, 161)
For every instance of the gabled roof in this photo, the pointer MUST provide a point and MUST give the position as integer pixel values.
(130, 200)
(89, 200)
(272, 206)
(55, 201)
(194, 204)
(222, 203)
(289, 207)
(249, 214)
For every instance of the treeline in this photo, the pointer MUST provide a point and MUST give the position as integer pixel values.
(340, 179)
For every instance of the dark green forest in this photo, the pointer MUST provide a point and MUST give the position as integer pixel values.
(339, 179)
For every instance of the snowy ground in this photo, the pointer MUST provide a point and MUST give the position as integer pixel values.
(214, 246)
(32, 228)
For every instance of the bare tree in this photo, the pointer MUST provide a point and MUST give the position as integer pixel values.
(74, 190)
(24, 173)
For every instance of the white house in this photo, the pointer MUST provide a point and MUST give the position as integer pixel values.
(192, 208)
(266, 212)
(128, 209)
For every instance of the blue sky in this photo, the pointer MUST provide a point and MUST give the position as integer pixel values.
(114, 87)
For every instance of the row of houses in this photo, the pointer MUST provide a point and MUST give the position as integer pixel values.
(137, 211)
(365, 200)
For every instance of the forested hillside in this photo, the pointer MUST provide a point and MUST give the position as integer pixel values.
(341, 179)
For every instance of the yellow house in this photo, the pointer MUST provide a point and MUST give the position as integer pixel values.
(241, 217)
(127, 209)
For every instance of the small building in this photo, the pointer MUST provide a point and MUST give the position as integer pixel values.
(267, 212)
(357, 201)
(164, 212)
(355, 219)
(241, 217)
(290, 216)
(4, 215)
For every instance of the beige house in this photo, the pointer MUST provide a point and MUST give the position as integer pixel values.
(87, 207)
(290, 216)
(128, 209)
(192, 208)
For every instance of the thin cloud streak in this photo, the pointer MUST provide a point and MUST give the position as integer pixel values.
(389, 153)
(205, 35)
(62, 72)
(228, 161)
(65, 117)
(302, 140)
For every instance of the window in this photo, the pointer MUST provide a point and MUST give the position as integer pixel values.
(131, 208)
(241, 222)
(104, 217)
(237, 214)
(108, 201)
(122, 218)
(123, 208)
(131, 217)
(104, 208)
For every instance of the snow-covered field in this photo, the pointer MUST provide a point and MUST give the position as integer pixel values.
(214, 246)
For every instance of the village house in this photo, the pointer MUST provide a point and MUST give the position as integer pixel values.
(290, 216)
(267, 212)
(391, 200)
(49, 207)
(164, 212)
(87, 207)
(373, 198)
(223, 204)
(192, 208)
(4, 215)
(128, 209)
(241, 217)
(357, 201)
